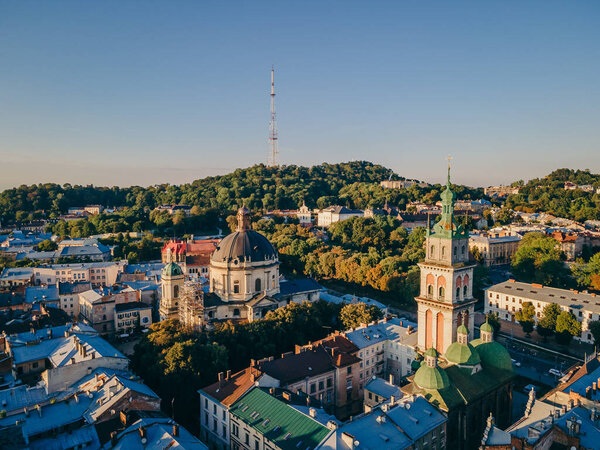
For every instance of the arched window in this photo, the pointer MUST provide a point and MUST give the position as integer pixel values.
(455, 250)
(432, 250)
(441, 292)
(464, 290)
(463, 250)
(257, 285)
(210, 314)
(175, 291)
(236, 312)
(236, 287)
(430, 290)
(273, 282)
(104, 317)
(443, 251)
(457, 292)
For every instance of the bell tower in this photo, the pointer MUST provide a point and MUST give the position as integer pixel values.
(172, 280)
(446, 298)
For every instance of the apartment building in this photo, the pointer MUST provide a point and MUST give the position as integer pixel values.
(507, 298)
(496, 249)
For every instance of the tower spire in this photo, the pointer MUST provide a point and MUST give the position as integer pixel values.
(273, 158)
(449, 158)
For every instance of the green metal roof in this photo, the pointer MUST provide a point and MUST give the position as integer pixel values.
(431, 352)
(431, 378)
(493, 354)
(486, 327)
(171, 270)
(462, 330)
(278, 422)
(462, 354)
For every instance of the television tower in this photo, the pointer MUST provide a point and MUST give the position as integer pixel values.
(273, 158)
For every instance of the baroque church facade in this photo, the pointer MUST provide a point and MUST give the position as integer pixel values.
(466, 379)
(244, 282)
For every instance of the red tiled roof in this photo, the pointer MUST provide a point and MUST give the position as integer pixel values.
(229, 391)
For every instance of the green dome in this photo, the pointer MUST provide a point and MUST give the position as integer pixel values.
(448, 195)
(432, 352)
(431, 378)
(493, 354)
(486, 327)
(462, 330)
(172, 270)
(464, 354)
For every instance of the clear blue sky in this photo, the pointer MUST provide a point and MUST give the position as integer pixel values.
(145, 92)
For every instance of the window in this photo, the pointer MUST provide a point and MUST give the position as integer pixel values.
(441, 292)
(432, 250)
(215, 409)
(247, 439)
(443, 251)
(215, 425)
(464, 291)
(257, 285)
(455, 251)
(236, 287)
(321, 385)
(35, 365)
(329, 382)
(313, 388)
(370, 396)
(463, 250)
(175, 291)
(236, 311)
(349, 370)
(430, 289)
(457, 292)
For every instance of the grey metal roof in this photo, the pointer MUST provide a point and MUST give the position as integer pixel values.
(244, 246)
(159, 433)
(563, 297)
(394, 330)
(379, 386)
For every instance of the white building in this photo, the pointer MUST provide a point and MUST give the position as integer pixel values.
(98, 273)
(304, 216)
(333, 214)
(507, 298)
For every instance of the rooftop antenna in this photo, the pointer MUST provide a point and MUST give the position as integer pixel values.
(273, 158)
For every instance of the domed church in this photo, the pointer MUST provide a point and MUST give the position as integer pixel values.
(244, 274)
(244, 282)
(465, 379)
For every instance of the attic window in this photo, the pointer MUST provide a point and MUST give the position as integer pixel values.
(277, 428)
(298, 444)
(266, 422)
(287, 436)
(244, 408)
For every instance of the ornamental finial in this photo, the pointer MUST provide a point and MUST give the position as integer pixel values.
(449, 158)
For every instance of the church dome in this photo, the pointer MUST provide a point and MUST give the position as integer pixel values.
(464, 354)
(428, 377)
(245, 244)
(172, 270)
(448, 195)
(493, 354)
(486, 327)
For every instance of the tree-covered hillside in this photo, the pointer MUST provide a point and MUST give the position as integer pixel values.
(549, 195)
(353, 184)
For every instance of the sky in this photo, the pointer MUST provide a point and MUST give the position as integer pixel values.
(149, 92)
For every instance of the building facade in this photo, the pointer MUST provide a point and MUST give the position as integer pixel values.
(506, 299)
(496, 249)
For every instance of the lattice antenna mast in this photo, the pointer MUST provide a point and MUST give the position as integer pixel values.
(273, 159)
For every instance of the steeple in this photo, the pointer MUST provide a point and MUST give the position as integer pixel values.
(447, 227)
(243, 217)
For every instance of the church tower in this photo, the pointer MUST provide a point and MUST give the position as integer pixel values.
(172, 280)
(446, 296)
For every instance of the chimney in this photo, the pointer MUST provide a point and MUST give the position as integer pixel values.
(176, 429)
(588, 392)
(392, 399)
(143, 435)
(221, 379)
(113, 438)
(228, 376)
(272, 390)
(594, 387)
(286, 396)
(252, 363)
(391, 379)
(312, 412)
(83, 351)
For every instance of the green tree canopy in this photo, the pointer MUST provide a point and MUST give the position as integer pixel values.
(540, 260)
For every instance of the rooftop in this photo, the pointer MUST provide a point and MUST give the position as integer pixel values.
(131, 306)
(281, 424)
(393, 330)
(385, 389)
(563, 297)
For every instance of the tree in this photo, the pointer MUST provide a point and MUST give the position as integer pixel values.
(567, 326)
(539, 260)
(547, 324)
(525, 317)
(594, 328)
(47, 246)
(354, 314)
